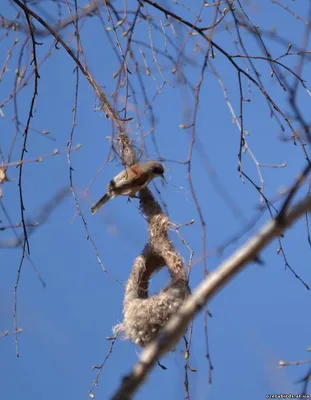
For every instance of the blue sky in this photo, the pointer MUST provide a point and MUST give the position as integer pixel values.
(258, 319)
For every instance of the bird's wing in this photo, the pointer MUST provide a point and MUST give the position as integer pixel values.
(122, 179)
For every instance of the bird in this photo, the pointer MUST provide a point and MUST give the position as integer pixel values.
(130, 181)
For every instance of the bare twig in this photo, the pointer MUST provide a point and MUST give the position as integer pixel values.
(7, 333)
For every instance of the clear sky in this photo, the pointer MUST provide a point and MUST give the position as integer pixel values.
(258, 319)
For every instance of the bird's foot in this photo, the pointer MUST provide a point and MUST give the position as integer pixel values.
(161, 365)
(132, 197)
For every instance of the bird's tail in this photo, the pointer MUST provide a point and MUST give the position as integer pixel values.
(95, 207)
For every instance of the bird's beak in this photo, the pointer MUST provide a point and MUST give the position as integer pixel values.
(163, 177)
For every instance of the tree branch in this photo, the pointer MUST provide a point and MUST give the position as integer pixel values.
(175, 327)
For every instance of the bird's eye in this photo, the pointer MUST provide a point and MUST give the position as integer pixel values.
(158, 170)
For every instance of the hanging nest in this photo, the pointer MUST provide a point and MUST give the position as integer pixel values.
(145, 316)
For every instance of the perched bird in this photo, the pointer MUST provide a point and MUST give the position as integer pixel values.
(130, 181)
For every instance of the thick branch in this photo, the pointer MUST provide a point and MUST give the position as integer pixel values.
(204, 292)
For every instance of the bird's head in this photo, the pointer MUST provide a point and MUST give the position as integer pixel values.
(156, 169)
